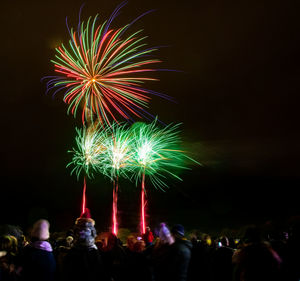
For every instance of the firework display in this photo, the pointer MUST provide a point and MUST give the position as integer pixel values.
(132, 153)
(105, 151)
(119, 151)
(102, 71)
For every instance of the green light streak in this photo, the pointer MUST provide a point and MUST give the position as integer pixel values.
(115, 162)
(157, 153)
(88, 151)
(119, 151)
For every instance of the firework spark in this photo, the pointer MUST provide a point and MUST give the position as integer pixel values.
(102, 70)
(115, 162)
(86, 155)
(88, 152)
(156, 154)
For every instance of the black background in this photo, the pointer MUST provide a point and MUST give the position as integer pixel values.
(238, 99)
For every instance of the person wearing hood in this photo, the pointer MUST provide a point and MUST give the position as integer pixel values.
(37, 261)
(83, 260)
(160, 254)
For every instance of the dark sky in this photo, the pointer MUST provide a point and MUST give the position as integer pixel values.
(238, 99)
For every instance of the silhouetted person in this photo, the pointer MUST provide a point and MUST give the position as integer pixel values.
(293, 251)
(38, 263)
(14, 231)
(256, 260)
(148, 237)
(201, 259)
(114, 258)
(161, 253)
(8, 258)
(222, 261)
(138, 264)
(179, 256)
(83, 261)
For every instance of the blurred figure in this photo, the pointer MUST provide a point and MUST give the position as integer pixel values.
(148, 237)
(161, 253)
(9, 244)
(222, 261)
(8, 256)
(165, 234)
(61, 252)
(180, 254)
(201, 258)
(37, 260)
(69, 241)
(101, 240)
(173, 264)
(292, 267)
(14, 231)
(138, 264)
(83, 261)
(114, 258)
(256, 260)
(206, 239)
(131, 240)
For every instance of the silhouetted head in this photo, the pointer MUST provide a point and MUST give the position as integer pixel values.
(178, 231)
(165, 234)
(40, 230)
(9, 244)
(84, 232)
(225, 241)
(139, 246)
(252, 235)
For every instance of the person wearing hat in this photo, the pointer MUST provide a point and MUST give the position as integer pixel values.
(180, 254)
(83, 261)
(37, 261)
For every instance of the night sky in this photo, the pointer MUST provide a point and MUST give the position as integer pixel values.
(237, 93)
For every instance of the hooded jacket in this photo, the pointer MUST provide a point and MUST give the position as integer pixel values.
(180, 256)
(175, 262)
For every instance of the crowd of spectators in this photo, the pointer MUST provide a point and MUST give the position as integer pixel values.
(169, 254)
